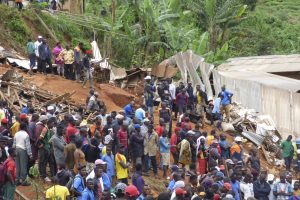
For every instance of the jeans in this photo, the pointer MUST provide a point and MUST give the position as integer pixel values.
(181, 109)
(44, 63)
(31, 60)
(78, 68)
(44, 159)
(150, 110)
(288, 162)
(153, 163)
(39, 64)
(215, 116)
(9, 190)
(60, 69)
(21, 164)
(88, 76)
(68, 71)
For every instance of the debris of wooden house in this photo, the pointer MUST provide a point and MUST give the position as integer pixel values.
(17, 92)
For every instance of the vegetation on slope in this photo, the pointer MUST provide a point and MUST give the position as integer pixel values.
(144, 32)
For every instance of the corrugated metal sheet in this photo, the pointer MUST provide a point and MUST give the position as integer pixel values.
(274, 63)
(296, 113)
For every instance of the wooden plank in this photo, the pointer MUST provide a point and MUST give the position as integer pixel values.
(18, 98)
(11, 103)
(266, 155)
(56, 99)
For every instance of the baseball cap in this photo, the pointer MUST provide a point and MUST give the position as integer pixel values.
(137, 126)
(23, 116)
(131, 191)
(147, 77)
(174, 168)
(220, 174)
(119, 116)
(227, 186)
(40, 37)
(43, 118)
(120, 188)
(238, 139)
(229, 161)
(50, 108)
(99, 162)
(4, 121)
(180, 191)
(270, 177)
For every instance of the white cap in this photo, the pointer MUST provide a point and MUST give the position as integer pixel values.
(270, 177)
(40, 37)
(43, 118)
(147, 77)
(50, 108)
(238, 139)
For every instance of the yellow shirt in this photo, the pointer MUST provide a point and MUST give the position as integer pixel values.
(199, 98)
(104, 150)
(121, 172)
(209, 139)
(57, 192)
(68, 56)
(15, 128)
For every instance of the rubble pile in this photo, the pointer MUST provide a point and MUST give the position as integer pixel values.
(17, 92)
(259, 129)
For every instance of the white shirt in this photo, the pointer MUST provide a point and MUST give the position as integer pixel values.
(36, 46)
(20, 139)
(247, 189)
(92, 176)
(172, 90)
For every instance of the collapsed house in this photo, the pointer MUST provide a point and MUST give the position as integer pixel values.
(268, 84)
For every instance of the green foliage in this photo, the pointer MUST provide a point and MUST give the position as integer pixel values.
(14, 23)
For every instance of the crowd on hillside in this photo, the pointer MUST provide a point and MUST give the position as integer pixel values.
(111, 158)
(69, 63)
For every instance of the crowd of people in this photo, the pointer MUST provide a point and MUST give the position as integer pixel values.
(110, 158)
(68, 63)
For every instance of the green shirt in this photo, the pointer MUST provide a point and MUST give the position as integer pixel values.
(287, 148)
(30, 48)
(45, 140)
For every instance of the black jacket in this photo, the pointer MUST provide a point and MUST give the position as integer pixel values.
(261, 190)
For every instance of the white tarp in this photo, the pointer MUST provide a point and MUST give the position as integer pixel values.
(20, 63)
(97, 56)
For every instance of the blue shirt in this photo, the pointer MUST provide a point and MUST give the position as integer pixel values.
(78, 185)
(217, 105)
(164, 146)
(226, 99)
(110, 161)
(140, 114)
(171, 185)
(87, 195)
(128, 110)
(25, 110)
(236, 188)
(106, 181)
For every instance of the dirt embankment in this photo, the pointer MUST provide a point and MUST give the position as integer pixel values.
(114, 98)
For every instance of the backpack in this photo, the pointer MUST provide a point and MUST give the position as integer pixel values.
(3, 172)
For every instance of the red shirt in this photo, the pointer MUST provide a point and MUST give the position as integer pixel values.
(123, 137)
(173, 141)
(11, 167)
(183, 124)
(159, 130)
(71, 130)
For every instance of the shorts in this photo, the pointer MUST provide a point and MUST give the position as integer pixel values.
(165, 159)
